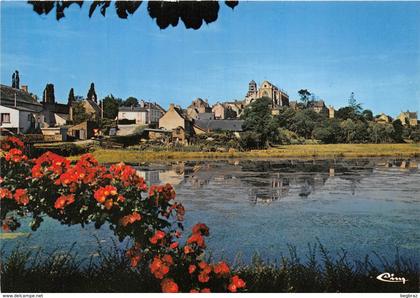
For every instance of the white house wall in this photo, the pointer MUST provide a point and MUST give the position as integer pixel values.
(14, 117)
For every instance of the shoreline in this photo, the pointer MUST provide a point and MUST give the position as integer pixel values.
(329, 151)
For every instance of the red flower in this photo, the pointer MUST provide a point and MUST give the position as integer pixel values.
(5, 193)
(10, 142)
(158, 236)
(191, 269)
(63, 201)
(221, 269)
(201, 229)
(203, 277)
(174, 245)
(205, 290)
(168, 259)
(108, 204)
(187, 249)
(194, 291)
(130, 219)
(21, 196)
(15, 155)
(134, 254)
(5, 227)
(159, 268)
(103, 193)
(169, 286)
(236, 283)
(198, 239)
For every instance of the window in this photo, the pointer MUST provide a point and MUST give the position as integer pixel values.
(5, 117)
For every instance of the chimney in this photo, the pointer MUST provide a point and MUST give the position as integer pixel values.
(24, 88)
(171, 106)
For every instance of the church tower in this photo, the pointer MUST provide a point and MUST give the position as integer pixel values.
(252, 92)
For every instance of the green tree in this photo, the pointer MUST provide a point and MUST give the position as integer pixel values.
(367, 115)
(304, 96)
(357, 107)
(79, 112)
(110, 106)
(398, 131)
(349, 130)
(259, 120)
(131, 101)
(346, 113)
(304, 122)
(285, 117)
(380, 132)
(415, 135)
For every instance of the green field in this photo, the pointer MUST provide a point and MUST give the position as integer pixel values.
(287, 151)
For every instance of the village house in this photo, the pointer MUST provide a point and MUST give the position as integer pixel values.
(55, 114)
(91, 108)
(19, 111)
(318, 106)
(408, 118)
(198, 106)
(236, 107)
(223, 111)
(136, 115)
(383, 118)
(84, 130)
(278, 97)
(179, 123)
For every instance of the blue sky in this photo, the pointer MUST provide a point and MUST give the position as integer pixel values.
(332, 49)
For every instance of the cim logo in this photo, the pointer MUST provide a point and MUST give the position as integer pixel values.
(389, 277)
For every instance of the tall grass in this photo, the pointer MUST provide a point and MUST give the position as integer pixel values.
(287, 151)
(24, 271)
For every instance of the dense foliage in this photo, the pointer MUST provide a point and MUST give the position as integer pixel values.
(85, 192)
(351, 124)
(191, 13)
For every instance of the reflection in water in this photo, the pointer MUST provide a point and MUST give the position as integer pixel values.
(269, 181)
(361, 205)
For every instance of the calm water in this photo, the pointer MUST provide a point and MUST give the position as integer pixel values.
(261, 206)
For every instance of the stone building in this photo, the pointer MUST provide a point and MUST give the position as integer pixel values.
(278, 97)
(198, 106)
(408, 118)
(318, 106)
(383, 118)
(177, 121)
(236, 107)
(224, 111)
(91, 108)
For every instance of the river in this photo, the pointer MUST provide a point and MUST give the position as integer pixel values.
(262, 206)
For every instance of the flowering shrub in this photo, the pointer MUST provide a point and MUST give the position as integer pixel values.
(85, 192)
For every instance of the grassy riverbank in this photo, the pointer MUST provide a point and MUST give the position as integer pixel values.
(24, 271)
(287, 151)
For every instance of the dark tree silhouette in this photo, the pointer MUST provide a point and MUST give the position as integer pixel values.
(191, 13)
(71, 99)
(14, 80)
(91, 93)
(48, 95)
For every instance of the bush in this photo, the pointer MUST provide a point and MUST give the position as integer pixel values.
(85, 192)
